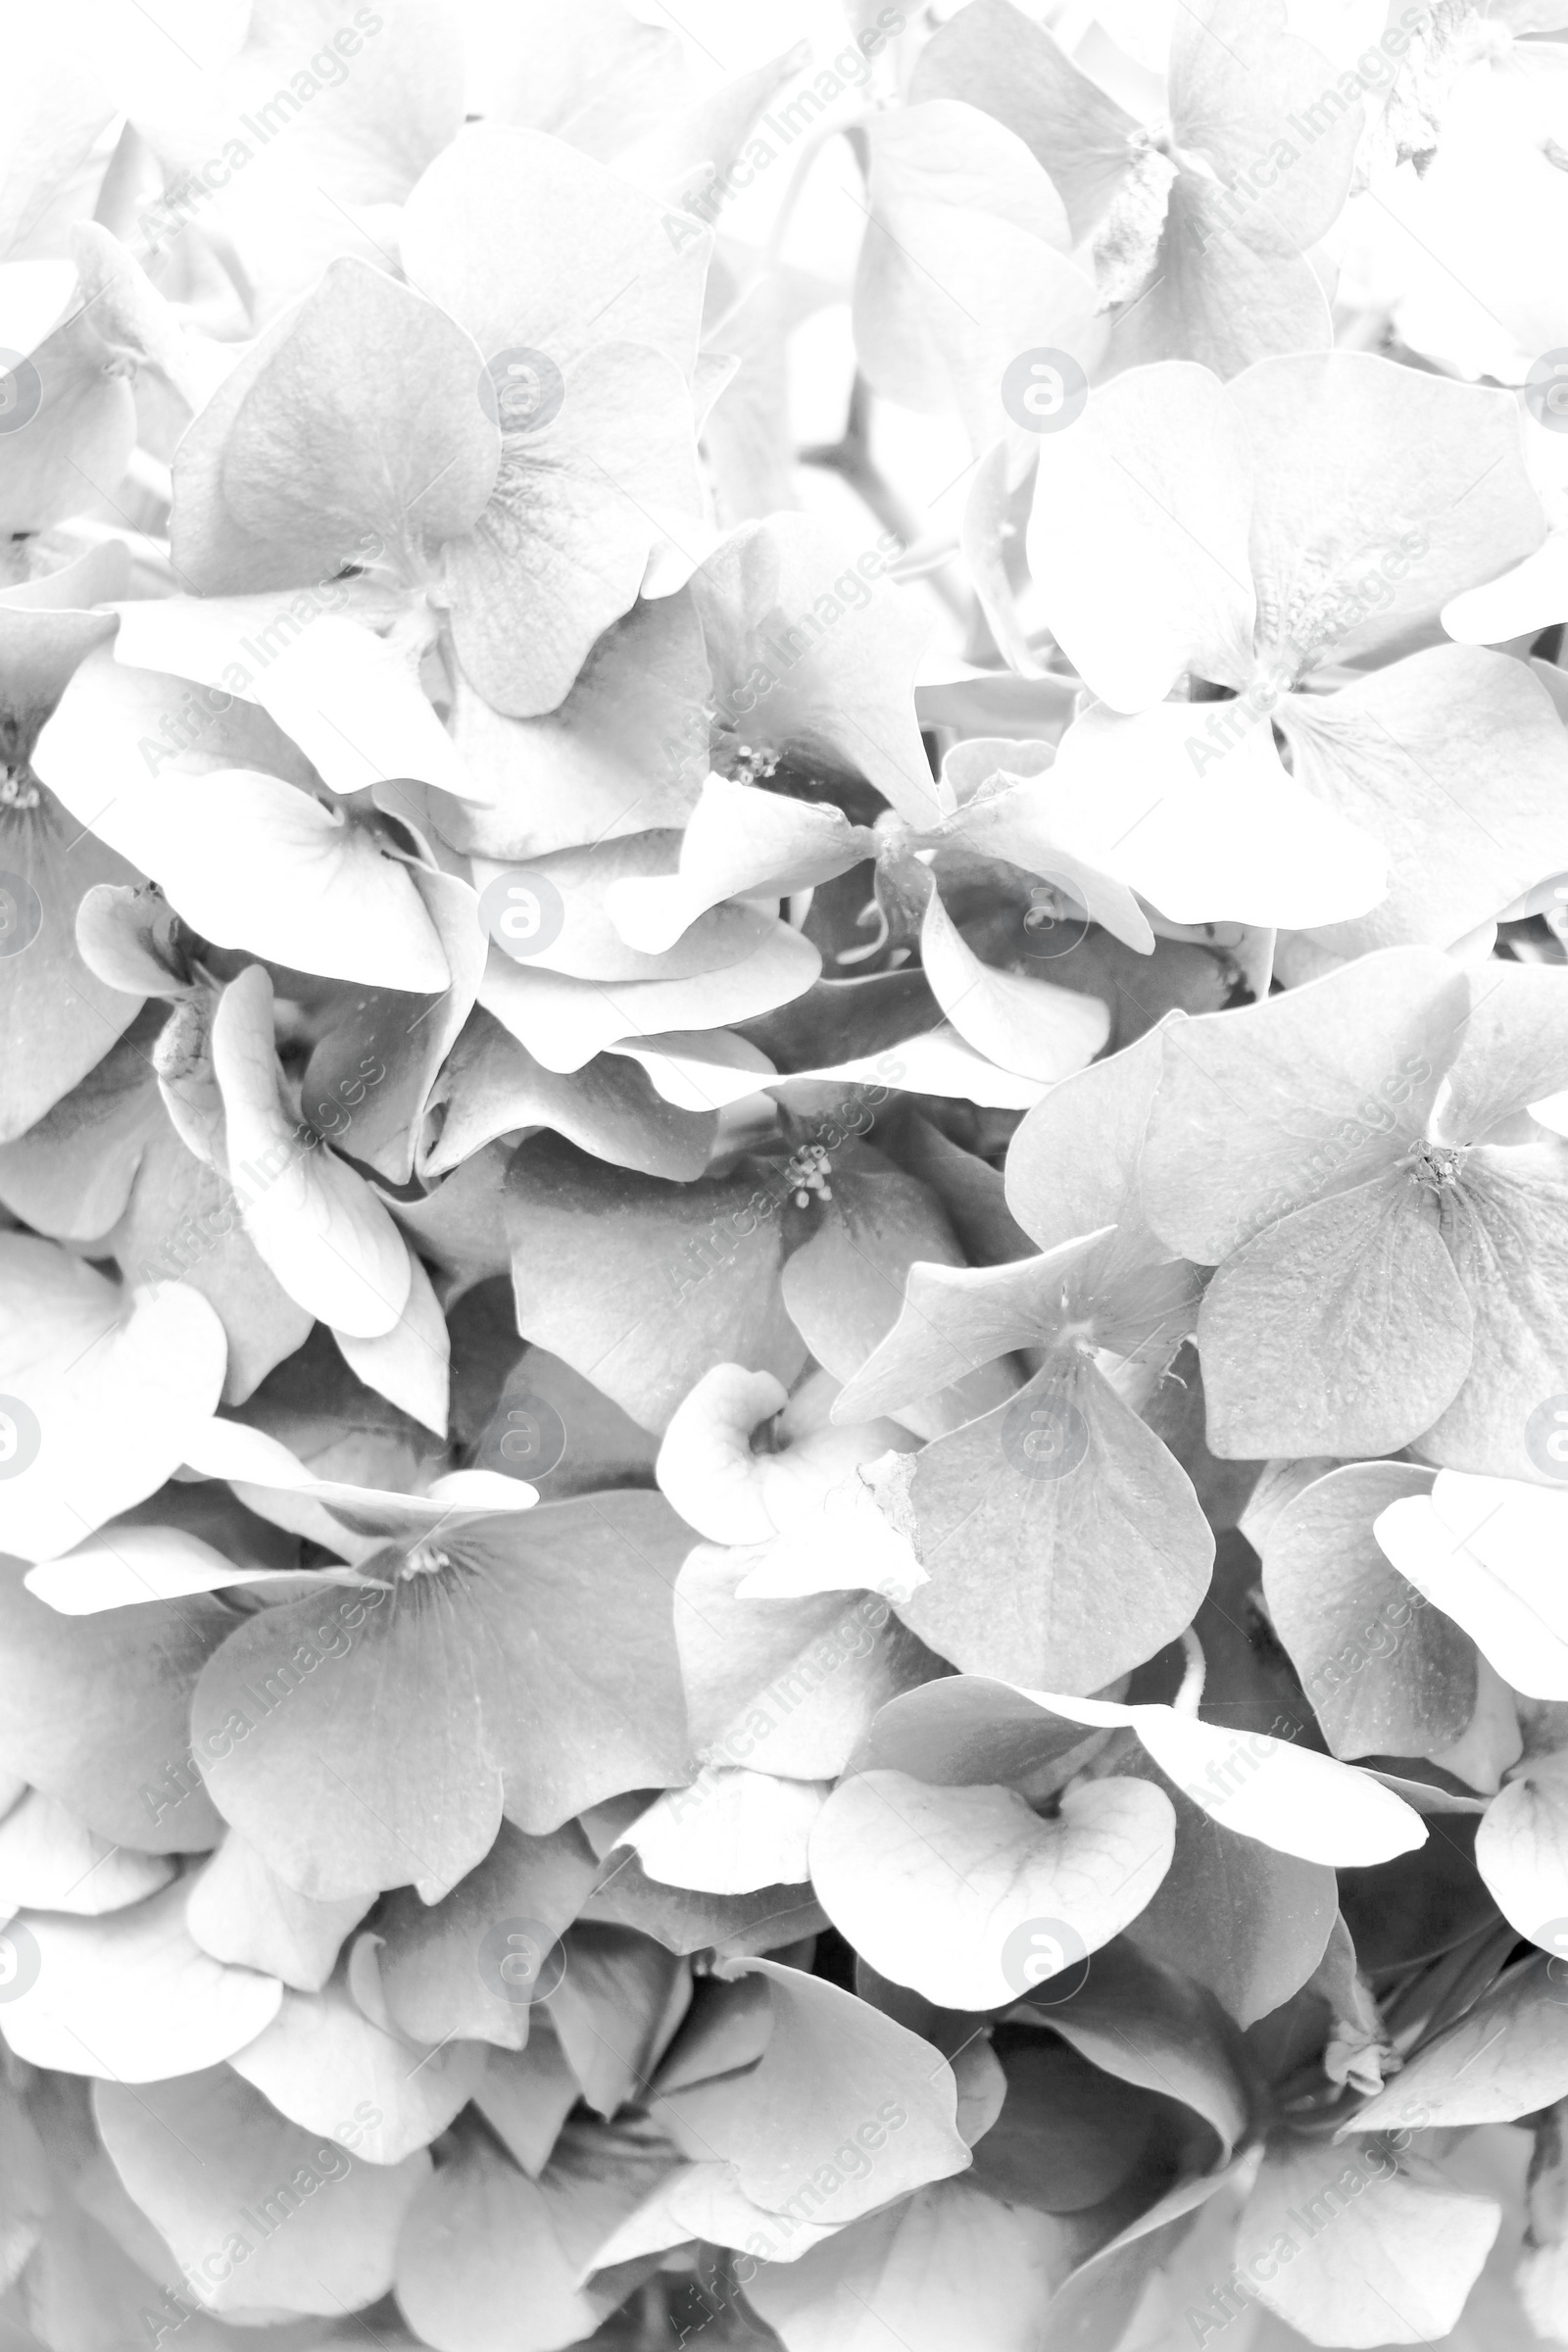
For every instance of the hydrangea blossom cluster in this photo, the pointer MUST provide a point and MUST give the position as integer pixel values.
(784, 1177)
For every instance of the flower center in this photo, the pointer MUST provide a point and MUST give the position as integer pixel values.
(1127, 239)
(425, 1560)
(19, 786)
(751, 763)
(1436, 1166)
(809, 1171)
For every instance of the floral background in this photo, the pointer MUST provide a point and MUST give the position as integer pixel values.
(784, 1175)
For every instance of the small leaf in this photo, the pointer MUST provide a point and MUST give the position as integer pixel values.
(130, 1996)
(731, 1833)
(1400, 2248)
(564, 1021)
(1261, 1109)
(480, 2266)
(1385, 1676)
(1507, 2056)
(323, 2061)
(618, 2005)
(318, 1225)
(1232, 1913)
(96, 1712)
(444, 1965)
(1035, 1524)
(836, 2082)
(835, 682)
(1485, 1552)
(241, 1911)
(737, 842)
(308, 450)
(105, 1386)
(211, 2163)
(950, 2267)
(1264, 1788)
(958, 1891)
(1191, 807)
(1505, 1224)
(677, 1278)
(1139, 545)
(955, 1320)
(1143, 2023)
(784, 1685)
(490, 1084)
(1028, 1026)
(1413, 756)
(1342, 1329)
(1353, 451)
(250, 859)
(51, 1861)
(1522, 1851)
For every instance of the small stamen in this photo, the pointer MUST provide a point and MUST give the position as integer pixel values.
(425, 1560)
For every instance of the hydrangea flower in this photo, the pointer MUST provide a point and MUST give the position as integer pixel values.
(782, 1383)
